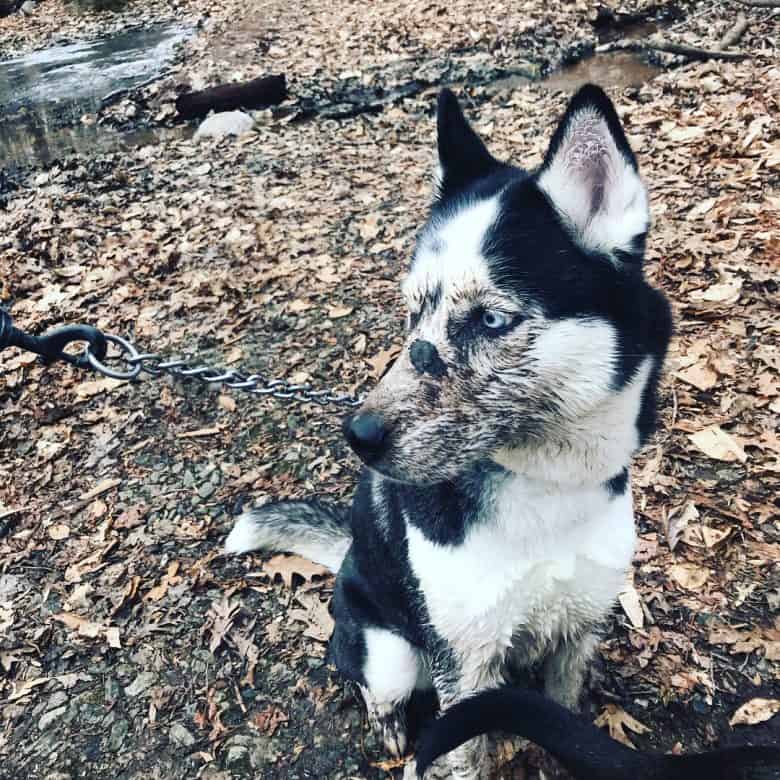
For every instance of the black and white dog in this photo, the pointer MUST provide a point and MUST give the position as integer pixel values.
(493, 527)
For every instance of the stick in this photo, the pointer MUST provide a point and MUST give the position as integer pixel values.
(733, 35)
(258, 93)
(695, 53)
(761, 3)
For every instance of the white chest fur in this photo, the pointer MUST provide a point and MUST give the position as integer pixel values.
(548, 561)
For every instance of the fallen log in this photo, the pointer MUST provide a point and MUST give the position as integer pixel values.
(257, 93)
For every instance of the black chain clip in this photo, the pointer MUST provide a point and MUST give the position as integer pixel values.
(51, 346)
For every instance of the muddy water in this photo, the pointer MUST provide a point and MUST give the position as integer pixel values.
(46, 97)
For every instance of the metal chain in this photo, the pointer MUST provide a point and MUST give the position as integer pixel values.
(155, 365)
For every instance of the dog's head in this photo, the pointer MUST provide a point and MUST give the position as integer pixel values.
(528, 311)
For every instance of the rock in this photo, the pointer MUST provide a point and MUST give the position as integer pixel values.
(116, 739)
(58, 776)
(142, 683)
(206, 490)
(50, 717)
(224, 124)
(180, 736)
(28, 7)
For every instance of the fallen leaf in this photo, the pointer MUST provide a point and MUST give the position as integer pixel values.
(719, 445)
(58, 531)
(381, 360)
(755, 711)
(690, 576)
(102, 487)
(286, 566)
(616, 721)
(337, 312)
(316, 616)
(632, 606)
(700, 375)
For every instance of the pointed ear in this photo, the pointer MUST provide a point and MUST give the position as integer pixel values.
(590, 176)
(463, 157)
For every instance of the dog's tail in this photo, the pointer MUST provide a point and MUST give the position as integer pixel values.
(319, 532)
(586, 751)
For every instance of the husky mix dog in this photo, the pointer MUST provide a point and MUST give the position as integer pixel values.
(492, 527)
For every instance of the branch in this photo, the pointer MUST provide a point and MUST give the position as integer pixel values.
(693, 52)
(733, 35)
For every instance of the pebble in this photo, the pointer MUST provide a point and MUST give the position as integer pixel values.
(142, 682)
(180, 736)
(206, 490)
(119, 731)
(51, 717)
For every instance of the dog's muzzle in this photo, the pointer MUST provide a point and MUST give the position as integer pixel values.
(366, 434)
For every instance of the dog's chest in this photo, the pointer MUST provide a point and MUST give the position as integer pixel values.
(549, 564)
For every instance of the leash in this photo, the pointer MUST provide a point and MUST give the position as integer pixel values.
(51, 348)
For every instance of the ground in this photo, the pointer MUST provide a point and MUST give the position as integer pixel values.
(129, 646)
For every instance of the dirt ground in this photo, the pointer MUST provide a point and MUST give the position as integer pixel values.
(129, 646)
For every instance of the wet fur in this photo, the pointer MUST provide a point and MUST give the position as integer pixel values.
(494, 528)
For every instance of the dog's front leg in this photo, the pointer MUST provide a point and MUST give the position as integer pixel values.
(456, 679)
(565, 669)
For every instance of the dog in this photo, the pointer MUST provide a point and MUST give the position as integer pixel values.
(586, 751)
(492, 526)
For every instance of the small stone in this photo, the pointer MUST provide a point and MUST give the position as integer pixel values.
(58, 776)
(188, 479)
(50, 717)
(180, 736)
(111, 689)
(28, 7)
(142, 683)
(224, 124)
(206, 490)
(116, 739)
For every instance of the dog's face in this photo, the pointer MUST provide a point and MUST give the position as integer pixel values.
(527, 306)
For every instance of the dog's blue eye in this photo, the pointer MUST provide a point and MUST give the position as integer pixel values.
(495, 320)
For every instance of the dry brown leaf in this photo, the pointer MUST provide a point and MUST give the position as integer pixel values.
(700, 375)
(381, 360)
(632, 606)
(755, 711)
(719, 445)
(286, 566)
(58, 531)
(315, 615)
(337, 312)
(268, 721)
(689, 575)
(617, 720)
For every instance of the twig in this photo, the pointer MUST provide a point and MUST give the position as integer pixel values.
(761, 3)
(733, 35)
(693, 52)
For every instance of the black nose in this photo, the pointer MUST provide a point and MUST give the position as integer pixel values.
(426, 359)
(366, 433)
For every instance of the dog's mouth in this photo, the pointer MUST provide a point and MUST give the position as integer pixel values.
(385, 449)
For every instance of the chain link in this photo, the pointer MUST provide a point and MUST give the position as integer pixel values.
(155, 365)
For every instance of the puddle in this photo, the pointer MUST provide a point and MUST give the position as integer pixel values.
(611, 69)
(44, 95)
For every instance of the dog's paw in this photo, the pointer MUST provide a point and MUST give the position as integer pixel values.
(438, 770)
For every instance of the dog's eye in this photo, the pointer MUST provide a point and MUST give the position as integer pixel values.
(495, 320)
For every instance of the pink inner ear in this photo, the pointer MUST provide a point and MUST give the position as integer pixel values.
(586, 154)
(594, 186)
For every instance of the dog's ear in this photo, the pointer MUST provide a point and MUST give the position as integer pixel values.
(590, 175)
(463, 157)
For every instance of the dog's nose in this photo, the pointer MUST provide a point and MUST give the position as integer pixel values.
(365, 433)
(425, 358)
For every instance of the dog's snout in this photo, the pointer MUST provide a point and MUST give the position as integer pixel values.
(366, 433)
(425, 358)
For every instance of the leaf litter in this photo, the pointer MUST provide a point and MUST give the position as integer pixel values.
(282, 253)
